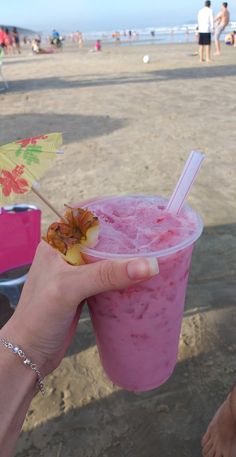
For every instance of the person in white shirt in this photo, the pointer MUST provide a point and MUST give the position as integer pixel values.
(205, 28)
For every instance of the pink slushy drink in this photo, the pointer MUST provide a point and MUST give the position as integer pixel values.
(137, 329)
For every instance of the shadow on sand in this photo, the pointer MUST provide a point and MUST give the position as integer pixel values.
(75, 127)
(168, 421)
(84, 81)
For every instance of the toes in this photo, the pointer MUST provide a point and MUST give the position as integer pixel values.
(219, 453)
(232, 448)
(206, 437)
(208, 449)
(212, 452)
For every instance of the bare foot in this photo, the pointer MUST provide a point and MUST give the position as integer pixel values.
(220, 437)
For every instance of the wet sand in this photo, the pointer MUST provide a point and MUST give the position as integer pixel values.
(129, 127)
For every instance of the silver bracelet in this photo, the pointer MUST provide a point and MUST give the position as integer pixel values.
(27, 362)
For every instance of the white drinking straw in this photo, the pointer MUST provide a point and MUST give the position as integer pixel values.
(185, 182)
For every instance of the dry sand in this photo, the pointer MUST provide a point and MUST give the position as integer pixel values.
(128, 127)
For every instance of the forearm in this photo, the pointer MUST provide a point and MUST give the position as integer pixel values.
(17, 389)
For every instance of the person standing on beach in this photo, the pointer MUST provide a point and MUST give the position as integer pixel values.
(8, 41)
(16, 39)
(221, 21)
(3, 37)
(205, 28)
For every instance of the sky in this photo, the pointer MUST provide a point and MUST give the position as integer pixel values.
(98, 15)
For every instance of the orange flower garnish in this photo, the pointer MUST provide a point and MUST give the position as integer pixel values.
(79, 227)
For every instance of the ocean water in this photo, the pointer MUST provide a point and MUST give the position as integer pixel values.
(151, 35)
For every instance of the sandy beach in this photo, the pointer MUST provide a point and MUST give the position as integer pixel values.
(128, 128)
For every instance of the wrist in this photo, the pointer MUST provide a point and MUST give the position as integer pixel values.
(18, 389)
(13, 368)
(19, 352)
(19, 335)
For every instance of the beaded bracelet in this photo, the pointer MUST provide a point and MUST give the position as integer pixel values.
(27, 362)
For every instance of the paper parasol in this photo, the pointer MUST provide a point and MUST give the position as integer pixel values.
(23, 162)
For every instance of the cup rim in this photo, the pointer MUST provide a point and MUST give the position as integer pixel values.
(160, 253)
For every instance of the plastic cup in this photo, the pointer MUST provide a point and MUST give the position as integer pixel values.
(137, 330)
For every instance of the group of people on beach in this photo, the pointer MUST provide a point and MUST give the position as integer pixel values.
(55, 41)
(208, 25)
(10, 40)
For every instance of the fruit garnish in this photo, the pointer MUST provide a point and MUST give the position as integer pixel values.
(78, 228)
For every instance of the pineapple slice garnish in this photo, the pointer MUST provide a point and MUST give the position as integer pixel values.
(79, 228)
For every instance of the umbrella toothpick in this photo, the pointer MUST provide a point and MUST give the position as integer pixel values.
(47, 202)
(23, 162)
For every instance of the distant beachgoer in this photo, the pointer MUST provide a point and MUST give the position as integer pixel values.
(116, 35)
(55, 34)
(16, 39)
(56, 39)
(8, 41)
(187, 33)
(80, 40)
(221, 21)
(98, 45)
(2, 37)
(196, 53)
(36, 48)
(205, 28)
(197, 33)
(230, 38)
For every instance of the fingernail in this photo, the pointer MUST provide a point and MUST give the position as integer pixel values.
(142, 268)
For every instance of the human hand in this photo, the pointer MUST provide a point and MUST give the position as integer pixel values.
(47, 314)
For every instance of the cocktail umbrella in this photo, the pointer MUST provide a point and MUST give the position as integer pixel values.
(23, 162)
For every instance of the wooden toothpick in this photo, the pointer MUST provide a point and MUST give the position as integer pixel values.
(47, 202)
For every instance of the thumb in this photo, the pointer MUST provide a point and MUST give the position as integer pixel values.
(114, 274)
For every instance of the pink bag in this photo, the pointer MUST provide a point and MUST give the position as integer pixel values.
(19, 235)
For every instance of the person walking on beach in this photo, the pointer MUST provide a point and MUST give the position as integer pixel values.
(221, 21)
(205, 28)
